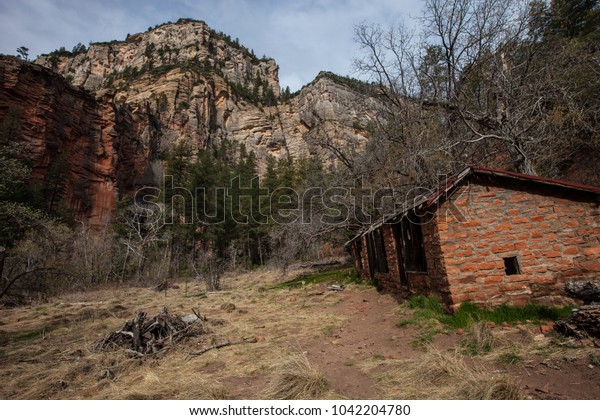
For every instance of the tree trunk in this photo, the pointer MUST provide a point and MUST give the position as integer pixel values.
(522, 162)
(140, 269)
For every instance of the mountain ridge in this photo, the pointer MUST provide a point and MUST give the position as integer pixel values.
(177, 83)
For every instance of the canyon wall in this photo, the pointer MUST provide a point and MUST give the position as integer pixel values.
(95, 137)
(115, 110)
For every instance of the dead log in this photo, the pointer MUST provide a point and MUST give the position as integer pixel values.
(586, 290)
(134, 354)
(225, 344)
(320, 264)
(583, 322)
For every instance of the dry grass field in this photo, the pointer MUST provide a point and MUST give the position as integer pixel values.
(310, 343)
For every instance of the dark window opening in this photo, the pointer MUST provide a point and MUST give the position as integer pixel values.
(397, 232)
(376, 252)
(413, 247)
(511, 266)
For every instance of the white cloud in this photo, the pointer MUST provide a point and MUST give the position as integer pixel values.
(304, 37)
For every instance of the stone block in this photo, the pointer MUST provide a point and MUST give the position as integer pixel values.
(573, 250)
(500, 248)
(592, 252)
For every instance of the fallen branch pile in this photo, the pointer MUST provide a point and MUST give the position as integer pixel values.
(583, 322)
(143, 336)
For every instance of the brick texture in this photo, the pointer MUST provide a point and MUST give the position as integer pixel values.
(554, 234)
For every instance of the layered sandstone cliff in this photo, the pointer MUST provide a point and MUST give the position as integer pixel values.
(171, 44)
(96, 137)
(117, 109)
(200, 87)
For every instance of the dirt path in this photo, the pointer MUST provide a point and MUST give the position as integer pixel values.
(367, 333)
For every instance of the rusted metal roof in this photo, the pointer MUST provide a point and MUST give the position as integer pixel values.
(446, 191)
(536, 179)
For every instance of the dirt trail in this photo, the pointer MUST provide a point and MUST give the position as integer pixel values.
(367, 333)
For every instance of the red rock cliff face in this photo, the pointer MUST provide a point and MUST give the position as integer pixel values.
(190, 82)
(116, 110)
(95, 136)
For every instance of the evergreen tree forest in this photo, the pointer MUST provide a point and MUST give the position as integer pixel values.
(218, 207)
(212, 213)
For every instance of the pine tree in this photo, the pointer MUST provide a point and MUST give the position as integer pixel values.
(573, 18)
(175, 195)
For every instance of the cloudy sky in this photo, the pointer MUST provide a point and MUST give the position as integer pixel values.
(303, 36)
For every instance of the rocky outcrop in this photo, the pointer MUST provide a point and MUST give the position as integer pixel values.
(95, 137)
(118, 108)
(200, 86)
(336, 115)
(187, 42)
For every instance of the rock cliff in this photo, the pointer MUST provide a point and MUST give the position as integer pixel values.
(96, 137)
(116, 109)
(200, 86)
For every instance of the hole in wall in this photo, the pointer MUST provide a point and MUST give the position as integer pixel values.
(511, 266)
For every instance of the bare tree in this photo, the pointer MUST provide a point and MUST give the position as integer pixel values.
(93, 254)
(209, 269)
(38, 265)
(143, 225)
(464, 90)
(467, 30)
(409, 132)
(487, 58)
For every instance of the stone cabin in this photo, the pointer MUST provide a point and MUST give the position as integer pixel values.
(489, 237)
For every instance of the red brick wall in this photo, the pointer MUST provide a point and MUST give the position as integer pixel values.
(554, 236)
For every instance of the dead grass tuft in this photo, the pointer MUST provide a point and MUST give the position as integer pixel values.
(445, 376)
(151, 386)
(200, 390)
(479, 340)
(296, 379)
(490, 387)
(511, 355)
